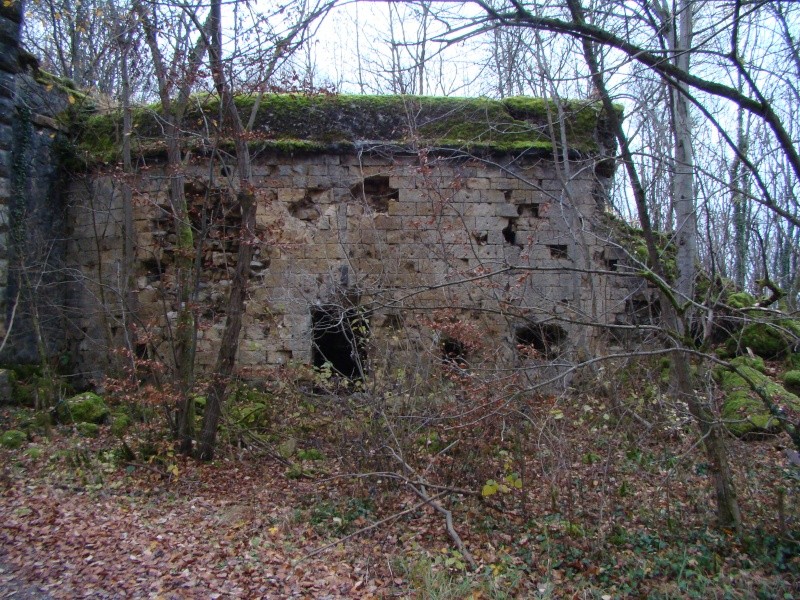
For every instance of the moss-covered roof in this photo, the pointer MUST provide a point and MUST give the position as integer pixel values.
(324, 123)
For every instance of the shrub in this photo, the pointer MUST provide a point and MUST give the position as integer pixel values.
(120, 422)
(13, 438)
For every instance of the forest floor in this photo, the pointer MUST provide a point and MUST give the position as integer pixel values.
(613, 521)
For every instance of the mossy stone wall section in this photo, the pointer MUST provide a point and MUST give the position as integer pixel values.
(390, 233)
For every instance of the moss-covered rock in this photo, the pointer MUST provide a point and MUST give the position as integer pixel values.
(740, 300)
(83, 408)
(766, 340)
(791, 381)
(13, 438)
(88, 429)
(743, 410)
(754, 362)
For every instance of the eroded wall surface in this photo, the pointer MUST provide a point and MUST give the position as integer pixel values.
(435, 255)
(33, 289)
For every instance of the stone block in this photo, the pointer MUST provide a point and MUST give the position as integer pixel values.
(403, 183)
(319, 170)
(506, 211)
(414, 195)
(478, 183)
(403, 209)
(479, 210)
(290, 194)
(387, 222)
(318, 182)
(7, 85)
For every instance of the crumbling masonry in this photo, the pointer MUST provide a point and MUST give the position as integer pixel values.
(368, 250)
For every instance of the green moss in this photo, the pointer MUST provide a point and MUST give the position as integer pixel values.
(49, 79)
(83, 408)
(88, 429)
(632, 240)
(755, 362)
(791, 381)
(324, 122)
(13, 438)
(740, 300)
(120, 423)
(743, 410)
(34, 452)
(791, 327)
(763, 339)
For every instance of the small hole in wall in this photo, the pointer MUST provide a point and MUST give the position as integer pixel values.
(612, 264)
(509, 235)
(153, 269)
(507, 195)
(376, 191)
(339, 338)
(642, 310)
(539, 340)
(305, 209)
(558, 251)
(528, 210)
(226, 170)
(454, 353)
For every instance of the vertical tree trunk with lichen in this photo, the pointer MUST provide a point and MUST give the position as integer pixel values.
(173, 110)
(245, 198)
(680, 317)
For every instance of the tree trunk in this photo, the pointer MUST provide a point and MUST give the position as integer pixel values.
(679, 317)
(676, 310)
(226, 358)
(233, 325)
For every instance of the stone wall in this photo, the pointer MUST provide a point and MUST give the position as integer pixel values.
(501, 259)
(10, 26)
(32, 289)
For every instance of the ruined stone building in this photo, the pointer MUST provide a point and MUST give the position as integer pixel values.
(390, 230)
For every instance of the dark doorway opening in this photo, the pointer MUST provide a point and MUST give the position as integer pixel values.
(339, 339)
(542, 340)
